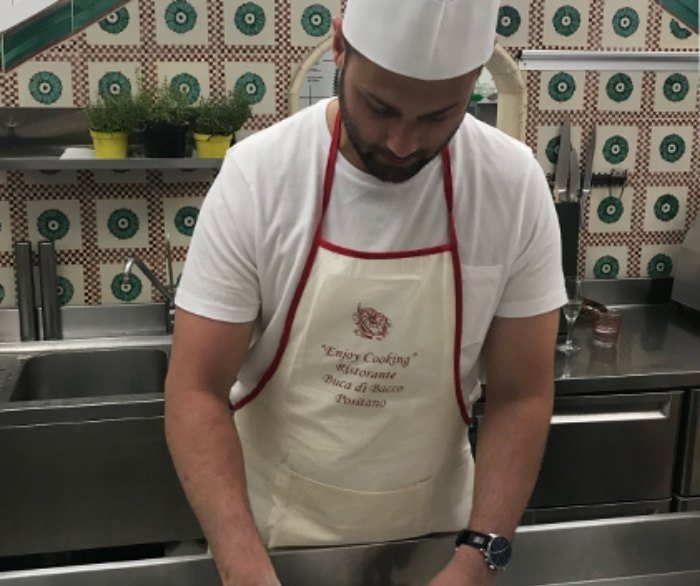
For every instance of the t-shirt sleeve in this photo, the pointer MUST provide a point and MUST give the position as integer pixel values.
(219, 280)
(535, 281)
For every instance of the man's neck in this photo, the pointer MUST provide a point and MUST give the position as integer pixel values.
(346, 148)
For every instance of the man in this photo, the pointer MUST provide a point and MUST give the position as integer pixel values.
(370, 247)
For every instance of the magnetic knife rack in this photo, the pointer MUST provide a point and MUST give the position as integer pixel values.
(602, 179)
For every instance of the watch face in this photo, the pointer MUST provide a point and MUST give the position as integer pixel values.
(499, 552)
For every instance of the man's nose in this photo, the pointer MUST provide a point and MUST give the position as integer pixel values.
(402, 140)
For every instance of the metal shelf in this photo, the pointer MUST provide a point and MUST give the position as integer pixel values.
(58, 164)
(550, 60)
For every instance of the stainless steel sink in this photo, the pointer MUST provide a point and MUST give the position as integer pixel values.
(69, 375)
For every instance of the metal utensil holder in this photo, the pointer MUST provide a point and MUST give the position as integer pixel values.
(569, 214)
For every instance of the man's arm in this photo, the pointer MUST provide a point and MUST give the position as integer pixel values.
(519, 360)
(204, 444)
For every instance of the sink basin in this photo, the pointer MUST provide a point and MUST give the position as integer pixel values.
(100, 373)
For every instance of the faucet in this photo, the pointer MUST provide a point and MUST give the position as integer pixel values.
(167, 291)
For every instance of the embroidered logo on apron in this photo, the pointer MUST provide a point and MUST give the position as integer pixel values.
(371, 324)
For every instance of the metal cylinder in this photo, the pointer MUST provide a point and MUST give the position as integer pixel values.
(50, 308)
(24, 270)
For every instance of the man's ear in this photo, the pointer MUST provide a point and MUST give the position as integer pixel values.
(338, 42)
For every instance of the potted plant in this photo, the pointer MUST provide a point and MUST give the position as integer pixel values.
(215, 122)
(165, 118)
(111, 120)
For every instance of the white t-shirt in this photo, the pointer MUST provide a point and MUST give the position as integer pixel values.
(257, 223)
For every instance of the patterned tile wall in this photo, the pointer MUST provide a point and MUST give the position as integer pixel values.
(647, 123)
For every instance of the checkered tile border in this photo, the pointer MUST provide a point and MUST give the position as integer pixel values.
(216, 53)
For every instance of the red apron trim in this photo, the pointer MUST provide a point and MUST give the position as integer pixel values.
(318, 241)
(291, 314)
(457, 272)
(383, 255)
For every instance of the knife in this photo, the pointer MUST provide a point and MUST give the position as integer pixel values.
(588, 171)
(561, 175)
(574, 177)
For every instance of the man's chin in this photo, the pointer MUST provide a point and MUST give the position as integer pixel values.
(393, 173)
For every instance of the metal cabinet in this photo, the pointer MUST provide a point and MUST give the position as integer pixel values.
(687, 485)
(607, 455)
(89, 483)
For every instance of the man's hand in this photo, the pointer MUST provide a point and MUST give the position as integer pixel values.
(466, 568)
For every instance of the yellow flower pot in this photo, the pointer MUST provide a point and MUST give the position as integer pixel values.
(110, 145)
(212, 146)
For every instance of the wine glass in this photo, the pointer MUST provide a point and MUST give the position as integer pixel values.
(571, 312)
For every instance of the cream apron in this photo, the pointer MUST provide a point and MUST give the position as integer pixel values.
(357, 431)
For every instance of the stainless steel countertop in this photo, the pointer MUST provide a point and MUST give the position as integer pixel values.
(659, 347)
(632, 551)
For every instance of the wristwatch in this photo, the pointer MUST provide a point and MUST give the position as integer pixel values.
(495, 548)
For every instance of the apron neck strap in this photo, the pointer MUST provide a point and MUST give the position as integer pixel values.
(330, 163)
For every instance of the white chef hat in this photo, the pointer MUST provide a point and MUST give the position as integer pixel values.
(425, 39)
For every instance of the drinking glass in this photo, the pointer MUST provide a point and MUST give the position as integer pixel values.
(606, 328)
(571, 312)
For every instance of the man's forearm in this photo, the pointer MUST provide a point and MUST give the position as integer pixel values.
(511, 443)
(207, 455)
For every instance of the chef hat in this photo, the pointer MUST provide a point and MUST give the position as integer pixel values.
(425, 39)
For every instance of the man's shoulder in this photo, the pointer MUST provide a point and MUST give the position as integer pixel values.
(496, 152)
(281, 144)
(492, 162)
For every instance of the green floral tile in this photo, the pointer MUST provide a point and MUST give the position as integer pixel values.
(620, 91)
(121, 27)
(181, 215)
(670, 148)
(55, 220)
(122, 223)
(606, 262)
(675, 35)
(616, 148)
(562, 90)
(513, 24)
(676, 91)
(624, 24)
(665, 208)
(114, 290)
(249, 22)
(311, 21)
(181, 22)
(112, 78)
(45, 84)
(71, 284)
(610, 210)
(565, 23)
(657, 261)
(257, 81)
(190, 78)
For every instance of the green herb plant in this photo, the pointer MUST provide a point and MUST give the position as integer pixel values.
(221, 115)
(161, 105)
(113, 114)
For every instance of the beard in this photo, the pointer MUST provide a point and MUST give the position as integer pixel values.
(381, 162)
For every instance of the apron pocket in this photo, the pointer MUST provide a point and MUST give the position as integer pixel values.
(307, 512)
